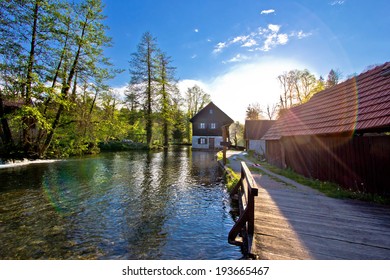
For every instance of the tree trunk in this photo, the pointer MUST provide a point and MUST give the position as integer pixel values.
(165, 120)
(28, 122)
(149, 122)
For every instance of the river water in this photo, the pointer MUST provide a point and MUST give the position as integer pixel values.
(126, 205)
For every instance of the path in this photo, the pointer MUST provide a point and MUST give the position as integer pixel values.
(293, 221)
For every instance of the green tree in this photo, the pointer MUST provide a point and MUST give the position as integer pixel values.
(167, 84)
(86, 56)
(143, 71)
(48, 46)
(236, 131)
(25, 59)
(196, 98)
(178, 117)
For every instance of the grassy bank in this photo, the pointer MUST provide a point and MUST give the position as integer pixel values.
(231, 178)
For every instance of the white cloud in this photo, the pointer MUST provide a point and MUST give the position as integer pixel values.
(267, 44)
(237, 58)
(239, 39)
(121, 91)
(274, 28)
(300, 34)
(273, 38)
(282, 39)
(196, 30)
(219, 47)
(266, 12)
(268, 38)
(337, 3)
(249, 43)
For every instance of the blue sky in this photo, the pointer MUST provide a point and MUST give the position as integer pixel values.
(235, 49)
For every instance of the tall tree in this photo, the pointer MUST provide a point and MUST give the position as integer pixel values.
(298, 86)
(271, 111)
(286, 84)
(178, 117)
(333, 78)
(166, 81)
(196, 98)
(26, 54)
(143, 71)
(87, 57)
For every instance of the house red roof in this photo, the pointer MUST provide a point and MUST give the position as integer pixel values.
(361, 103)
(256, 129)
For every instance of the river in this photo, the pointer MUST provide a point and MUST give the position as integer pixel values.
(125, 205)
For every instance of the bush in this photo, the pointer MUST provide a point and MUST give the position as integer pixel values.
(122, 146)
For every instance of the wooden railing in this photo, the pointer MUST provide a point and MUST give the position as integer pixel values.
(245, 192)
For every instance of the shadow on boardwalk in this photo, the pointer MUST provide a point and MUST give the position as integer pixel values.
(293, 221)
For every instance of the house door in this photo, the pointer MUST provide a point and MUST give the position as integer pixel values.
(212, 143)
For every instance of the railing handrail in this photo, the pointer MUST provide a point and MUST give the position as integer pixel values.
(245, 189)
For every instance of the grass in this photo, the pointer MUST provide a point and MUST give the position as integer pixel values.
(328, 188)
(231, 177)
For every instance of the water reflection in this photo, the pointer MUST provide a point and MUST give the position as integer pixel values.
(128, 205)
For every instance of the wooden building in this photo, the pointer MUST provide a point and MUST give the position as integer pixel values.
(341, 135)
(209, 126)
(254, 130)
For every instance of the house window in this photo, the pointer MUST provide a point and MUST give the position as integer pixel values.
(211, 111)
(213, 126)
(202, 141)
(202, 125)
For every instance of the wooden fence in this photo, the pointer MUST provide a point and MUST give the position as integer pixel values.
(245, 192)
(360, 163)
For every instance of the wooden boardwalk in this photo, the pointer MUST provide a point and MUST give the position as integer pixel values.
(293, 221)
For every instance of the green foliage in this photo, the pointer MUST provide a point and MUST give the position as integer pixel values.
(121, 146)
(231, 178)
(29, 112)
(47, 48)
